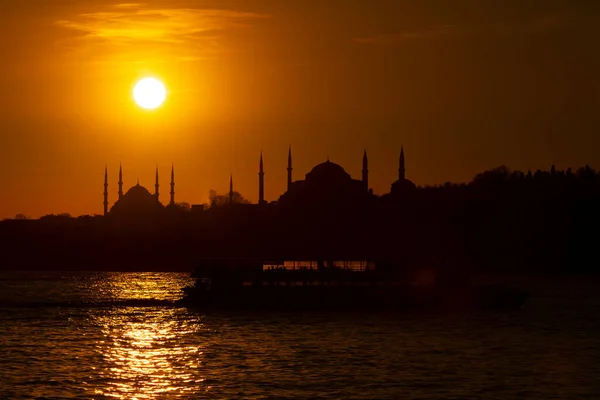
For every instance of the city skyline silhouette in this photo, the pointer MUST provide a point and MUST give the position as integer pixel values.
(139, 189)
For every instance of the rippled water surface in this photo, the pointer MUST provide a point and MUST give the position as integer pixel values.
(68, 335)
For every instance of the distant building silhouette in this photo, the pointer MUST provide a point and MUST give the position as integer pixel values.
(402, 185)
(231, 189)
(172, 202)
(401, 169)
(137, 202)
(289, 169)
(261, 181)
(365, 171)
(105, 190)
(120, 181)
(326, 184)
(156, 185)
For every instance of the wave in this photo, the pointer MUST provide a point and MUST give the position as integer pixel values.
(89, 304)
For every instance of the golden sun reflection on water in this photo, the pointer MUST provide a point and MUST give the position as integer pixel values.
(146, 355)
(139, 285)
(147, 352)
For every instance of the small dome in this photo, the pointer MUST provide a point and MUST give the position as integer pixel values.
(402, 185)
(328, 171)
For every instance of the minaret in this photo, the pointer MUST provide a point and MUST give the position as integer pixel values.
(365, 171)
(401, 170)
(261, 181)
(289, 169)
(120, 182)
(172, 202)
(105, 190)
(156, 185)
(231, 189)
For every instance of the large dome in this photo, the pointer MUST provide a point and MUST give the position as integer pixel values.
(138, 191)
(328, 171)
(326, 187)
(137, 201)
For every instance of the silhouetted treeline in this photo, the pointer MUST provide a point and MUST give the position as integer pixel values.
(503, 220)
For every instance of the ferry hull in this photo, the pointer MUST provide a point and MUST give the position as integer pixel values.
(355, 298)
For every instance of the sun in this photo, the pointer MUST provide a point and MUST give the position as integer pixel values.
(149, 93)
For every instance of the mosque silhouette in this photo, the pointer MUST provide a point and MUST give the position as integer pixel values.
(327, 183)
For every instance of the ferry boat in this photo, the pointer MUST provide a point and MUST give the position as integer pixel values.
(324, 285)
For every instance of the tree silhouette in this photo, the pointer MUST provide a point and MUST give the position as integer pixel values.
(183, 206)
(219, 200)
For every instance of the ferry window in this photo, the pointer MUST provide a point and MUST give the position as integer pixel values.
(288, 264)
(304, 264)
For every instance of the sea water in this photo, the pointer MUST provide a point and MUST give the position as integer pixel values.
(117, 335)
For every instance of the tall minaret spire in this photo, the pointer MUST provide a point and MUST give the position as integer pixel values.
(120, 182)
(289, 169)
(261, 181)
(156, 184)
(231, 189)
(105, 190)
(365, 170)
(172, 202)
(401, 170)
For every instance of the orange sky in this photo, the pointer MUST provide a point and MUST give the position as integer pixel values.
(463, 85)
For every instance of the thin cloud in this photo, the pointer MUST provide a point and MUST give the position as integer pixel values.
(399, 37)
(537, 25)
(135, 25)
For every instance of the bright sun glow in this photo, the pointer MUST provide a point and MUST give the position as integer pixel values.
(149, 93)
